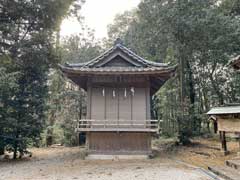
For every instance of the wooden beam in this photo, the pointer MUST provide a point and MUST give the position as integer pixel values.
(89, 99)
(116, 130)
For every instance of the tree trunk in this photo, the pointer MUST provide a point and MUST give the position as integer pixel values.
(195, 121)
(216, 89)
(1, 150)
(191, 84)
(2, 146)
(15, 147)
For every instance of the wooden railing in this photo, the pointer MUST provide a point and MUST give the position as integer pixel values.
(85, 125)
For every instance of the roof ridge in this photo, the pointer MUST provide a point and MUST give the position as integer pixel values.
(94, 59)
(126, 50)
(143, 59)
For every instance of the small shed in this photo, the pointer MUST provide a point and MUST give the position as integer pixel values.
(227, 120)
(119, 86)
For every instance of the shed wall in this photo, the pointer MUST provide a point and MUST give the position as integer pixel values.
(229, 125)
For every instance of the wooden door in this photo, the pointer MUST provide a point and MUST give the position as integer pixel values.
(112, 105)
(97, 104)
(97, 107)
(124, 103)
(139, 106)
(125, 106)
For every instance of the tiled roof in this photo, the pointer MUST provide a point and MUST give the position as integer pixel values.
(109, 63)
(224, 110)
(123, 49)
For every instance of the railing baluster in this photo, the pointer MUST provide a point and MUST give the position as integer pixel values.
(117, 124)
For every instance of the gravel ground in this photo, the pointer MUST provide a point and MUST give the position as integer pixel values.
(67, 164)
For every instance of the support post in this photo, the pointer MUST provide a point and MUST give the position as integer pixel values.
(223, 142)
(238, 138)
(215, 126)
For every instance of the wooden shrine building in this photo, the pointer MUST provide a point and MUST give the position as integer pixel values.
(119, 86)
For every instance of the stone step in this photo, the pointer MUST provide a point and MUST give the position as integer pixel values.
(225, 172)
(234, 163)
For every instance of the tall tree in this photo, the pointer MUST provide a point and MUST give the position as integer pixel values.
(27, 37)
(66, 102)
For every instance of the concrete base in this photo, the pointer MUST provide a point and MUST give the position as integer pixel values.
(115, 157)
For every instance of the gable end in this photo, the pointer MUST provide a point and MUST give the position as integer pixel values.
(119, 59)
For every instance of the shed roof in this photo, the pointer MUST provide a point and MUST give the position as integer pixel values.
(224, 110)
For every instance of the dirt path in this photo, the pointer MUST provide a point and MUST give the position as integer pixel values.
(66, 163)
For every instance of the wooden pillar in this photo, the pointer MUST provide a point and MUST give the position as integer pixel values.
(223, 142)
(87, 141)
(239, 147)
(78, 138)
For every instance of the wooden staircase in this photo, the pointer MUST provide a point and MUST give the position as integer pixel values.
(231, 171)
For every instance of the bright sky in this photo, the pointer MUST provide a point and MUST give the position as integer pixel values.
(98, 14)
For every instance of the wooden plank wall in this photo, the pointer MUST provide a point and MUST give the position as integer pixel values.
(119, 143)
(119, 107)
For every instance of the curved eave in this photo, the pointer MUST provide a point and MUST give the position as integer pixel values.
(158, 75)
(122, 71)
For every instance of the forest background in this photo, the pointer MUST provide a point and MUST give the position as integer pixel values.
(38, 106)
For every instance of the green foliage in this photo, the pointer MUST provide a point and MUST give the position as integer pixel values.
(200, 36)
(66, 103)
(8, 87)
(28, 32)
(80, 48)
